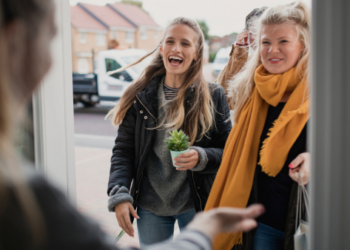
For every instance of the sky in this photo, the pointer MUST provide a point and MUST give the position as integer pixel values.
(222, 16)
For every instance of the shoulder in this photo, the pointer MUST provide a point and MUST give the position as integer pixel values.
(216, 90)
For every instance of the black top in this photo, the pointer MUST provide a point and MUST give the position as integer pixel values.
(274, 192)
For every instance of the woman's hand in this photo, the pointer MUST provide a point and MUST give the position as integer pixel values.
(242, 37)
(122, 212)
(226, 220)
(186, 161)
(300, 164)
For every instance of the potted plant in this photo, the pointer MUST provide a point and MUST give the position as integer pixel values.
(177, 143)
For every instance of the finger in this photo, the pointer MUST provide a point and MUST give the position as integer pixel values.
(297, 161)
(133, 212)
(186, 155)
(254, 211)
(247, 225)
(128, 226)
(294, 175)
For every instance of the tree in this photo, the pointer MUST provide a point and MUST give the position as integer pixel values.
(204, 28)
(133, 2)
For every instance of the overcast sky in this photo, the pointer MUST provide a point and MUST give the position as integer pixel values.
(222, 16)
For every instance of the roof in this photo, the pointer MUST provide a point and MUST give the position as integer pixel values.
(107, 16)
(134, 14)
(82, 20)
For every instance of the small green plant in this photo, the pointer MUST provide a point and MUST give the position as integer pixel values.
(177, 141)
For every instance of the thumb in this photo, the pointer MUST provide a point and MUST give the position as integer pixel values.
(133, 212)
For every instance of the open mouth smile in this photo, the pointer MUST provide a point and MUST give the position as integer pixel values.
(275, 60)
(175, 60)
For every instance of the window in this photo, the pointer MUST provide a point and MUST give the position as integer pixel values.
(156, 34)
(144, 34)
(82, 37)
(100, 39)
(83, 66)
(129, 37)
(111, 65)
(114, 34)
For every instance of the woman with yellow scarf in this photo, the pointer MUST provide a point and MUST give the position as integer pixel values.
(271, 110)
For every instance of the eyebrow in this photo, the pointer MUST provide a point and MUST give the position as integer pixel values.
(183, 39)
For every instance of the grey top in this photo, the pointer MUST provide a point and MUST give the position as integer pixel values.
(164, 191)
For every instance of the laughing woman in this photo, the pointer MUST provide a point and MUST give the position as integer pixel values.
(171, 94)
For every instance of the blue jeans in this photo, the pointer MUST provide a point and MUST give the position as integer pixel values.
(153, 229)
(268, 238)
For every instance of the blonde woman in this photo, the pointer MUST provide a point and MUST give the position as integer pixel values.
(271, 104)
(33, 213)
(171, 94)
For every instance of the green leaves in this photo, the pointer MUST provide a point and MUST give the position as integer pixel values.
(177, 141)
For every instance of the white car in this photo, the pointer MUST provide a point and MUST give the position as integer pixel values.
(112, 87)
(221, 60)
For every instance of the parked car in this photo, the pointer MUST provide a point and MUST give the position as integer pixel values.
(89, 89)
(221, 60)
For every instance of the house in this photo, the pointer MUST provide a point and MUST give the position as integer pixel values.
(113, 26)
(119, 28)
(88, 37)
(148, 33)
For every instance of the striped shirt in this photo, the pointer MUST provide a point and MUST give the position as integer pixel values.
(170, 93)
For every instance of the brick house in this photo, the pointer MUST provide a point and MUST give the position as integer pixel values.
(87, 37)
(148, 33)
(96, 28)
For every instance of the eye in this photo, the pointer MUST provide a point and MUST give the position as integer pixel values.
(185, 44)
(284, 41)
(169, 41)
(265, 42)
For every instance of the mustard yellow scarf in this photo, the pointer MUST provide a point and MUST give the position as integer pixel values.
(234, 180)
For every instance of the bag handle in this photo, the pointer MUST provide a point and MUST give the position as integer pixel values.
(302, 195)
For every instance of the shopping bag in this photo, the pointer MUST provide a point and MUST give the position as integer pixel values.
(301, 235)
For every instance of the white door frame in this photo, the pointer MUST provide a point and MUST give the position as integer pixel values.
(330, 126)
(53, 111)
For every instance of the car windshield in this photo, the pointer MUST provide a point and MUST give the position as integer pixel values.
(138, 68)
(221, 60)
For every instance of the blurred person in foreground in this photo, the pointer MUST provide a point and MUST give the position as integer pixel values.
(33, 213)
(243, 47)
(271, 104)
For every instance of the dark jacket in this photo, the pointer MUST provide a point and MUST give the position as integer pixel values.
(135, 142)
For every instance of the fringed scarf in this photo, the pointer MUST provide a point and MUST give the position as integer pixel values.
(234, 181)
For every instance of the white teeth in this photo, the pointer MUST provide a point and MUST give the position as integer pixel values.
(175, 58)
(275, 60)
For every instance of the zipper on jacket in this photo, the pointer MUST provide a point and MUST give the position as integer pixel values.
(146, 109)
(195, 187)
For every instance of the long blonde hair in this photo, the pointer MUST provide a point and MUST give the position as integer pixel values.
(200, 114)
(242, 85)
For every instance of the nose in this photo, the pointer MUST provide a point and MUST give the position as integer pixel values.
(176, 47)
(274, 48)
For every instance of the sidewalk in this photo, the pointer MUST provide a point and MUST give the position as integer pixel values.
(92, 171)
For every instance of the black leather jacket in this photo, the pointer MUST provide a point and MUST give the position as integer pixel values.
(135, 142)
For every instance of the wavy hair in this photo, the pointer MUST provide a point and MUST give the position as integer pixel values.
(296, 13)
(199, 118)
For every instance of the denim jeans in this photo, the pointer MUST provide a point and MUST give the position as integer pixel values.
(268, 238)
(153, 229)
